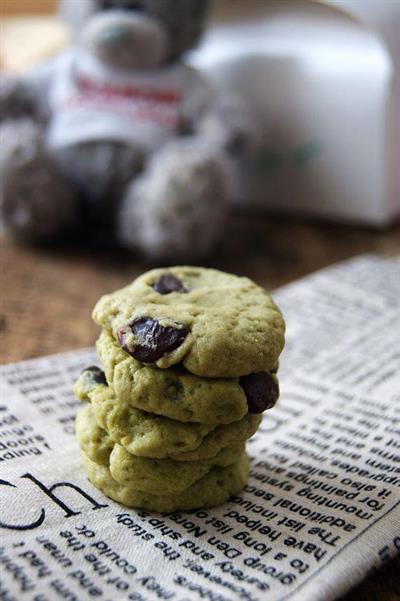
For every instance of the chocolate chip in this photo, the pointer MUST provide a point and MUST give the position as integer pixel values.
(261, 391)
(169, 283)
(154, 340)
(96, 374)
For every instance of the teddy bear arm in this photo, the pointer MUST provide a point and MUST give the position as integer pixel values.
(17, 99)
(229, 124)
(197, 97)
(27, 96)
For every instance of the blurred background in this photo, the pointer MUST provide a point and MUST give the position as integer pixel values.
(319, 183)
(320, 79)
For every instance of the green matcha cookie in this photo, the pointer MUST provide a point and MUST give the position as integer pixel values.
(213, 489)
(173, 393)
(148, 435)
(218, 325)
(166, 476)
(222, 437)
(147, 475)
(91, 438)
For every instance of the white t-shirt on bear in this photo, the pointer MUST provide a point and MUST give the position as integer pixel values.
(90, 101)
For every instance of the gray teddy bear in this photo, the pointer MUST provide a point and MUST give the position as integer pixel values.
(118, 135)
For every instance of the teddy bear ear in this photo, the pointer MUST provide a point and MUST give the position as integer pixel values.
(204, 5)
(198, 8)
(184, 20)
(75, 12)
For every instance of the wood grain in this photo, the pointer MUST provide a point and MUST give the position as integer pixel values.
(48, 294)
(27, 7)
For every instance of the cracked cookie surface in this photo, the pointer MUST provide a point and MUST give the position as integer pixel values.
(148, 435)
(216, 324)
(147, 475)
(212, 489)
(174, 393)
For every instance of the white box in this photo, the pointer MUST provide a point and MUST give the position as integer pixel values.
(322, 81)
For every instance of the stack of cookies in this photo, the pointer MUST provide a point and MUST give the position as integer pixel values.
(190, 357)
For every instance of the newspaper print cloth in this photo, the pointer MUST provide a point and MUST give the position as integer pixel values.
(321, 508)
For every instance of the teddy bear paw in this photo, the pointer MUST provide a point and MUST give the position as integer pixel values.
(36, 203)
(174, 210)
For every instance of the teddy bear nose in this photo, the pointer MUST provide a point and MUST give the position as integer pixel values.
(126, 40)
(115, 37)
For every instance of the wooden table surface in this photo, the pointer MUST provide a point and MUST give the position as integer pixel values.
(48, 294)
